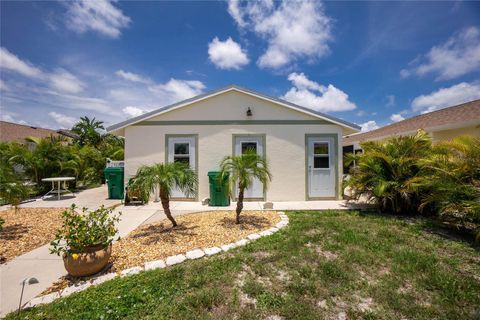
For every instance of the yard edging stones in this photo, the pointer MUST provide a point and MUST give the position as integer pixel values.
(158, 264)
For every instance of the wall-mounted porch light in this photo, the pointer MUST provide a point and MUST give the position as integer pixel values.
(249, 112)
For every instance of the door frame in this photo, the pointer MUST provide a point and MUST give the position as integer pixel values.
(333, 136)
(263, 137)
(195, 137)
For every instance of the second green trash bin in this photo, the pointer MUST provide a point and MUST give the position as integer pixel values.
(219, 194)
(114, 180)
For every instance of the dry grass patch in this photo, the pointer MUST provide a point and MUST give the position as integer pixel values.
(197, 230)
(26, 229)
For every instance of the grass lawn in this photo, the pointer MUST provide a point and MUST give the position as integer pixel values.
(323, 265)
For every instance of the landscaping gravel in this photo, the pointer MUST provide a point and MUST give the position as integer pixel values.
(26, 229)
(197, 230)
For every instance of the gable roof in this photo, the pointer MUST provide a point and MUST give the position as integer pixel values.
(10, 131)
(213, 93)
(447, 118)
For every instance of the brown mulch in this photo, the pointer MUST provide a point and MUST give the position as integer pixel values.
(26, 229)
(159, 240)
(198, 230)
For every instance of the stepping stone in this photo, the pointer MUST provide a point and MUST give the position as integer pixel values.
(265, 233)
(73, 289)
(103, 278)
(131, 271)
(195, 254)
(227, 247)
(268, 206)
(241, 242)
(179, 258)
(42, 300)
(211, 251)
(254, 236)
(157, 264)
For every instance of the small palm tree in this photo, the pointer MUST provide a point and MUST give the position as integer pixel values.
(386, 171)
(242, 170)
(166, 177)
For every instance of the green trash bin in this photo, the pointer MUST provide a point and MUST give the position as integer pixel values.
(114, 180)
(219, 195)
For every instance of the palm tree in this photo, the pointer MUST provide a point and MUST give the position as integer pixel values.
(88, 131)
(242, 170)
(386, 172)
(166, 177)
(451, 181)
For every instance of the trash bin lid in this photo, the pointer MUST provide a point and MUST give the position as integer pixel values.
(113, 169)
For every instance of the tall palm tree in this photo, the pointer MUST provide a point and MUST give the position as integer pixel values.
(88, 131)
(166, 177)
(243, 170)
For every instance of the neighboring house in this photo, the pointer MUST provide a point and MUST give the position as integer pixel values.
(303, 147)
(443, 124)
(19, 132)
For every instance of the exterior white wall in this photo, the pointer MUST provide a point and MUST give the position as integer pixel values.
(285, 150)
(233, 106)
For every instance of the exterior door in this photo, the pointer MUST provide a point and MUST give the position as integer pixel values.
(182, 149)
(242, 145)
(321, 168)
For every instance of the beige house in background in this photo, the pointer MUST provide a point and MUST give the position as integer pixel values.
(303, 147)
(443, 124)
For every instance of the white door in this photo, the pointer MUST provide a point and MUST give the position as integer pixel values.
(321, 167)
(182, 149)
(242, 145)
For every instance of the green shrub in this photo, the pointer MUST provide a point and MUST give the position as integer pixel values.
(79, 231)
(2, 222)
(385, 171)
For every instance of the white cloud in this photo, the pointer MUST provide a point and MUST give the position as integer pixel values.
(66, 82)
(176, 90)
(132, 77)
(63, 120)
(293, 29)
(361, 113)
(446, 97)
(396, 117)
(60, 79)
(132, 111)
(227, 54)
(390, 101)
(99, 15)
(313, 95)
(369, 126)
(458, 56)
(11, 62)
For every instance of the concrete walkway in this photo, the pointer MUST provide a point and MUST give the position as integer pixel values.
(47, 268)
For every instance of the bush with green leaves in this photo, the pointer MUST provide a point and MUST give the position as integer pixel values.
(12, 188)
(83, 230)
(83, 158)
(385, 171)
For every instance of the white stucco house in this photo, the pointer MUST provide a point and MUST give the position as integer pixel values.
(303, 147)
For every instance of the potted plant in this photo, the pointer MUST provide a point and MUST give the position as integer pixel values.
(85, 240)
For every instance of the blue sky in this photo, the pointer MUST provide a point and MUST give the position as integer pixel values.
(371, 63)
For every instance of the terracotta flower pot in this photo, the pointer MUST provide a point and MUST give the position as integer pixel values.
(89, 262)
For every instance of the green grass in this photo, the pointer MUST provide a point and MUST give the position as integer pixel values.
(366, 266)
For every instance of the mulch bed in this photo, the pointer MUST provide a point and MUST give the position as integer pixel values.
(197, 230)
(26, 229)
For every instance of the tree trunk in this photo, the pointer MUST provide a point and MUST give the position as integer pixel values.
(166, 207)
(239, 203)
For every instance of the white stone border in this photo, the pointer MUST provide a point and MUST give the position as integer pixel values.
(158, 264)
